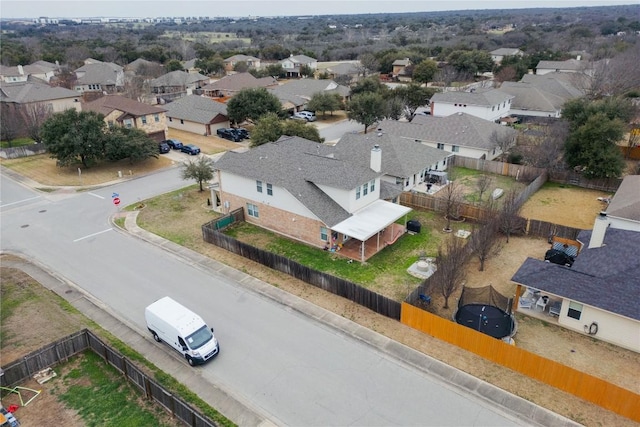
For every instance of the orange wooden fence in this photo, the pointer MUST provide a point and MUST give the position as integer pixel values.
(565, 378)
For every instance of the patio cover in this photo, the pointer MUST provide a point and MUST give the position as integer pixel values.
(369, 220)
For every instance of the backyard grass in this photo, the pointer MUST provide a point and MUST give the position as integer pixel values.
(468, 178)
(18, 142)
(97, 392)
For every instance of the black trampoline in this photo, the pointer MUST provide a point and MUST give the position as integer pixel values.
(487, 319)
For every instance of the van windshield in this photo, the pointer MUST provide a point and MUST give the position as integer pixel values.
(199, 338)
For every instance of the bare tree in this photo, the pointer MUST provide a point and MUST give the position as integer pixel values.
(482, 184)
(611, 77)
(452, 195)
(503, 140)
(9, 123)
(368, 64)
(450, 275)
(34, 117)
(544, 148)
(483, 237)
(508, 220)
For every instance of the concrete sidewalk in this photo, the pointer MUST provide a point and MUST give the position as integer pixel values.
(235, 408)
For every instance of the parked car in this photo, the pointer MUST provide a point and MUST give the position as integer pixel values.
(163, 147)
(190, 149)
(242, 133)
(306, 115)
(228, 133)
(173, 143)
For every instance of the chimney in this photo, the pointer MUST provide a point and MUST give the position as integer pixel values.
(376, 158)
(20, 70)
(599, 230)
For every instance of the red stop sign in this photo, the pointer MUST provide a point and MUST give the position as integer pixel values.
(116, 201)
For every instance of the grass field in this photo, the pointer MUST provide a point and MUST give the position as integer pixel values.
(205, 37)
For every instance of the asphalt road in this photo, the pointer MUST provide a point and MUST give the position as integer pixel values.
(293, 369)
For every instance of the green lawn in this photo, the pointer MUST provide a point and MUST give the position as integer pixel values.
(18, 142)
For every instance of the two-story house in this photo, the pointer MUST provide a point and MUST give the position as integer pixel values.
(309, 192)
(295, 94)
(42, 70)
(176, 84)
(293, 64)
(402, 69)
(31, 102)
(230, 85)
(460, 134)
(120, 111)
(101, 77)
(251, 61)
(487, 104)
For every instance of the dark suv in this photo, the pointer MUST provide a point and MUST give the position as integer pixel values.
(163, 147)
(173, 143)
(242, 133)
(229, 134)
(190, 149)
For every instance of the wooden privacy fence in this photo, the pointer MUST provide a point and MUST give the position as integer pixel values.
(520, 172)
(64, 348)
(338, 286)
(565, 378)
(577, 179)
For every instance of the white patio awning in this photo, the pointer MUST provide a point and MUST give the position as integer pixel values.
(369, 220)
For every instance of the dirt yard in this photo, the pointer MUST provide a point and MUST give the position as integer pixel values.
(565, 205)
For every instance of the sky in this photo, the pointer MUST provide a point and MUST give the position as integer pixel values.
(244, 8)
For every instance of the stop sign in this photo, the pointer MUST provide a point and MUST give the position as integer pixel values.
(116, 201)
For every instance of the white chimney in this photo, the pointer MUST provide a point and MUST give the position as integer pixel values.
(376, 158)
(20, 70)
(599, 230)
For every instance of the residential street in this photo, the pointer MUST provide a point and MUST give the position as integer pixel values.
(281, 357)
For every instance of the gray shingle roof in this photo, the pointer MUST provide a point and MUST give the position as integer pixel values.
(178, 78)
(109, 103)
(400, 157)
(344, 68)
(30, 91)
(299, 166)
(195, 108)
(506, 51)
(569, 64)
(239, 81)
(241, 57)
(482, 98)
(104, 73)
(607, 277)
(460, 129)
(306, 88)
(626, 202)
(300, 59)
(529, 97)
(564, 85)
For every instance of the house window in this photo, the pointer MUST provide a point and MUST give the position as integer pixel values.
(358, 192)
(399, 180)
(144, 120)
(110, 124)
(270, 189)
(575, 310)
(259, 186)
(181, 121)
(156, 117)
(455, 148)
(372, 185)
(170, 119)
(324, 234)
(440, 146)
(128, 123)
(493, 108)
(365, 189)
(252, 210)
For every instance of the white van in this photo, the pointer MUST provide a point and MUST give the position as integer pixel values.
(182, 329)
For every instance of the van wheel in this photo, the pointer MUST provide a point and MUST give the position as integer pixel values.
(190, 360)
(156, 337)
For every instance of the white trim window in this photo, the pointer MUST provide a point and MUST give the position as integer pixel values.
(259, 186)
(575, 310)
(358, 192)
(252, 210)
(324, 234)
(269, 189)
